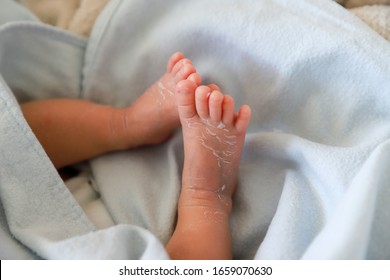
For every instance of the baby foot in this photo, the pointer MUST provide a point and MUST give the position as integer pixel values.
(213, 139)
(154, 114)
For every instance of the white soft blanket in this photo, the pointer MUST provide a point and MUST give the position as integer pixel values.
(314, 175)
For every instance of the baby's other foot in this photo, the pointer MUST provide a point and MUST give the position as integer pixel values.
(154, 115)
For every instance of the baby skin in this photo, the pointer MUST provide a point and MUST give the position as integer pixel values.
(213, 137)
(73, 130)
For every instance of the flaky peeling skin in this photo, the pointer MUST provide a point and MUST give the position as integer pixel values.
(213, 136)
(155, 112)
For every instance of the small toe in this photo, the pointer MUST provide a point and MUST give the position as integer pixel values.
(179, 65)
(195, 77)
(243, 118)
(175, 58)
(214, 87)
(228, 110)
(185, 72)
(202, 96)
(215, 106)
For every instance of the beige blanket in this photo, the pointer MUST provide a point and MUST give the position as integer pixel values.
(79, 16)
(359, 3)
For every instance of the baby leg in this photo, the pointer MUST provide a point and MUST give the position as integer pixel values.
(213, 139)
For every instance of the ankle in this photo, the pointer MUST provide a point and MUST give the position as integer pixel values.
(120, 128)
(212, 201)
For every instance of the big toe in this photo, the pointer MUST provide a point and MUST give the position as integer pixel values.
(185, 99)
